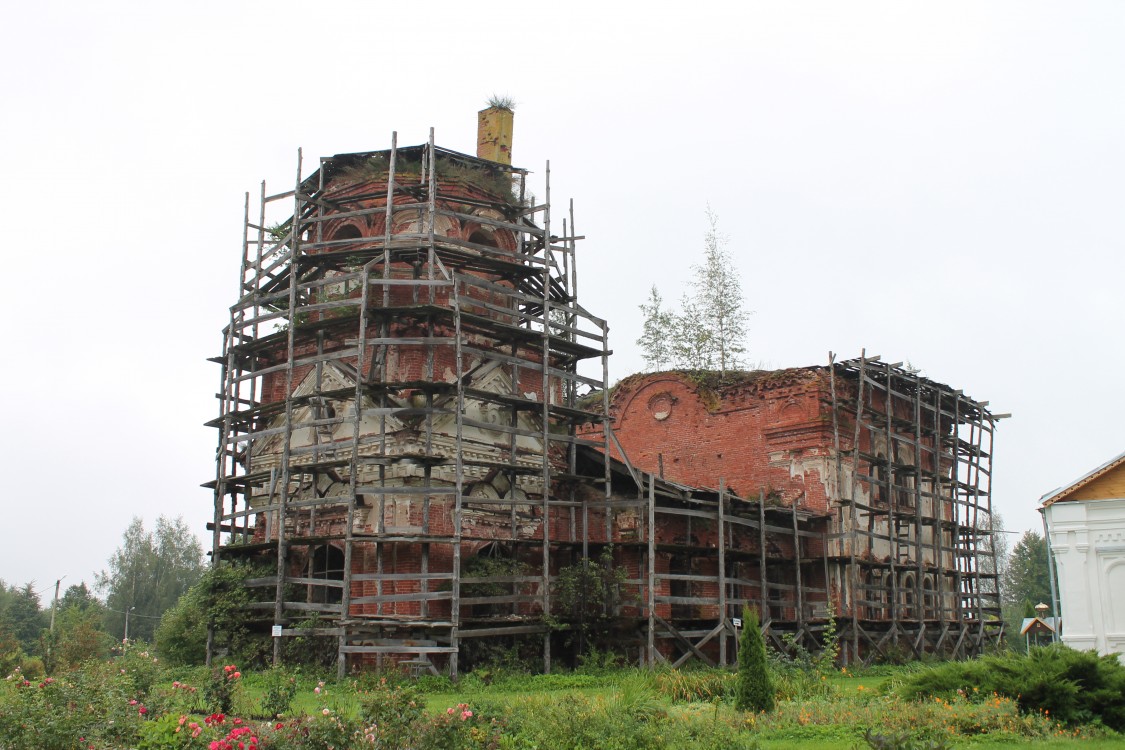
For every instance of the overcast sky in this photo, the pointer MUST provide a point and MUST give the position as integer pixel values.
(940, 183)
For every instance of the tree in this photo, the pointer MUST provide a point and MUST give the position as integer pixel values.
(79, 596)
(20, 616)
(709, 331)
(1028, 575)
(754, 690)
(79, 633)
(655, 340)
(718, 292)
(147, 574)
(692, 342)
(994, 552)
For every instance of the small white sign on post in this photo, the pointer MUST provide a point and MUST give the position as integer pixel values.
(276, 631)
(737, 621)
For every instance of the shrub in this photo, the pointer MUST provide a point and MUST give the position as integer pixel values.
(95, 704)
(585, 597)
(218, 601)
(1074, 687)
(754, 691)
(310, 650)
(141, 668)
(219, 693)
(280, 690)
(393, 708)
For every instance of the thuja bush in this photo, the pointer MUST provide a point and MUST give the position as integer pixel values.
(754, 689)
(1074, 687)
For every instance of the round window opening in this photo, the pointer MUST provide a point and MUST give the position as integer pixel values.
(660, 406)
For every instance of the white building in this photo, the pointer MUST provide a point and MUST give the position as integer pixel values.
(1086, 533)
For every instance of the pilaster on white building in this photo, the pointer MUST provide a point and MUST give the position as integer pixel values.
(1085, 523)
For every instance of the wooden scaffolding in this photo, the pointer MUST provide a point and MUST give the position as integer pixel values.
(395, 394)
(400, 398)
(914, 535)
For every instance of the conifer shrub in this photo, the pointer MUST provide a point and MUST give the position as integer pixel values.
(1074, 687)
(754, 689)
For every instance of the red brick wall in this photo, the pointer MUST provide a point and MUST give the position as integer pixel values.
(763, 434)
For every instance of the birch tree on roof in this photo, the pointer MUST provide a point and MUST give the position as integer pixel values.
(655, 340)
(709, 330)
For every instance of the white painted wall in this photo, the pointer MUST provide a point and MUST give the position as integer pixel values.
(1088, 542)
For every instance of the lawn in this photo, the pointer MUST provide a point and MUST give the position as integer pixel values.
(133, 702)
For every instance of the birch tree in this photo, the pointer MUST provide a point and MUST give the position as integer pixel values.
(655, 340)
(717, 294)
(148, 573)
(693, 341)
(709, 330)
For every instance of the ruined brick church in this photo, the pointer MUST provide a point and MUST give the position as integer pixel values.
(403, 441)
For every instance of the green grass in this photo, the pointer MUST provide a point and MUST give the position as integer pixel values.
(835, 719)
(770, 742)
(851, 685)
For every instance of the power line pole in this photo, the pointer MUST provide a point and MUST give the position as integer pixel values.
(55, 603)
(51, 637)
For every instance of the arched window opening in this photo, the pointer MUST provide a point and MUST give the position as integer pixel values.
(872, 591)
(327, 564)
(347, 232)
(878, 483)
(929, 601)
(482, 237)
(908, 599)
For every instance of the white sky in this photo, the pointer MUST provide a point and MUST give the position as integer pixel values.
(941, 183)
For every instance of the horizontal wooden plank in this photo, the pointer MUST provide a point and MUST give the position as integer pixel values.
(298, 632)
(471, 632)
(420, 596)
(398, 650)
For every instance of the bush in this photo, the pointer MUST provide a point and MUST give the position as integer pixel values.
(95, 704)
(219, 693)
(140, 668)
(754, 690)
(218, 600)
(280, 689)
(317, 651)
(1074, 687)
(395, 708)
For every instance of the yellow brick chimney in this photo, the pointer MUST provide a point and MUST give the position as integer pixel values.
(494, 134)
